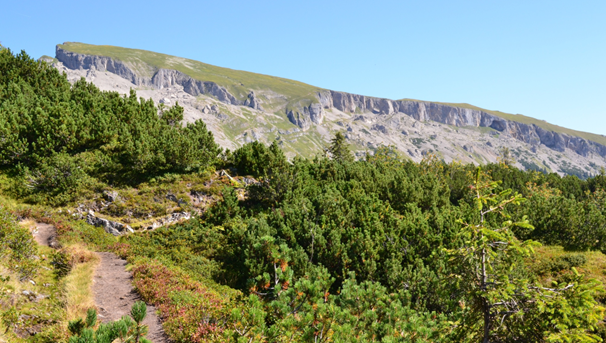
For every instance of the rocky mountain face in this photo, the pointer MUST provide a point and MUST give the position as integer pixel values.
(303, 127)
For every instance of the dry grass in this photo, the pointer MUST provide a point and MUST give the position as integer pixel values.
(28, 223)
(79, 282)
(594, 268)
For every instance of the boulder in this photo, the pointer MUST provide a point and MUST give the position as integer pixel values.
(110, 196)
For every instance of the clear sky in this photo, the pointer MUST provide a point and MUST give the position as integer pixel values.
(544, 59)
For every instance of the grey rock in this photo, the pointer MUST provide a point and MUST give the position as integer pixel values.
(110, 196)
(347, 102)
(303, 116)
(380, 128)
(249, 181)
(325, 99)
(174, 198)
(299, 119)
(102, 63)
(46, 59)
(458, 116)
(252, 101)
(114, 228)
(40, 297)
(170, 219)
(163, 78)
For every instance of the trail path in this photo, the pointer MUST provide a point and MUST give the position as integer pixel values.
(112, 286)
(114, 295)
(45, 234)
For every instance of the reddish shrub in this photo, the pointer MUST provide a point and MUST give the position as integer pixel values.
(191, 311)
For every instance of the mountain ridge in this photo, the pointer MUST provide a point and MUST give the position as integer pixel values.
(305, 106)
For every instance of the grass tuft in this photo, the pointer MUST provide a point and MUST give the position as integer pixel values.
(79, 282)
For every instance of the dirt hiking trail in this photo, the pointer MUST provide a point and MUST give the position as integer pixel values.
(112, 286)
(46, 234)
(114, 295)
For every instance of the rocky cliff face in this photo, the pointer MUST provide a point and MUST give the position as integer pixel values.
(457, 116)
(306, 114)
(79, 61)
(162, 78)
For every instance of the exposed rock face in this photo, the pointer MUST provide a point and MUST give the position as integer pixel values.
(380, 128)
(165, 78)
(110, 196)
(170, 219)
(114, 228)
(457, 116)
(304, 116)
(528, 133)
(253, 102)
(79, 61)
(347, 102)
(162, 78)
(299, 119)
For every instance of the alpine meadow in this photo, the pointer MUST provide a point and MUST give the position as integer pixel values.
(254, 244)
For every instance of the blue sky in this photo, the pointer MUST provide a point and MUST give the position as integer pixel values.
(544, 59)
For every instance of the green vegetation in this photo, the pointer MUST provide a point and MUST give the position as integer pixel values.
(126, 330)
(310, 250)
(315, 235)
(338, 149)
(35, 281)
(66, 139)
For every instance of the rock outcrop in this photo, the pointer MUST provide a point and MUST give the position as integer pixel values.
(253, 102)
(112, 227)
(80, 61)
(303, 116)
(170, 219)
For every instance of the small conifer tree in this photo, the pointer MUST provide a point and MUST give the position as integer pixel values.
(338, 149)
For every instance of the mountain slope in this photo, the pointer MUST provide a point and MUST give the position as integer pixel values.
(241, 106)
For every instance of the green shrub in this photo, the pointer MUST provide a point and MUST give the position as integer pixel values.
(57, 180)
(256, 159)
(17, 246)
(124, 330)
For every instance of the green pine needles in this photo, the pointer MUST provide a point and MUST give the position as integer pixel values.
(126, 330)
(499, 300)
(61, 137)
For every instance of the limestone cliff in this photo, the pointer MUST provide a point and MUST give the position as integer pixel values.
(162, 78)
(458, 116)
(312, 110)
